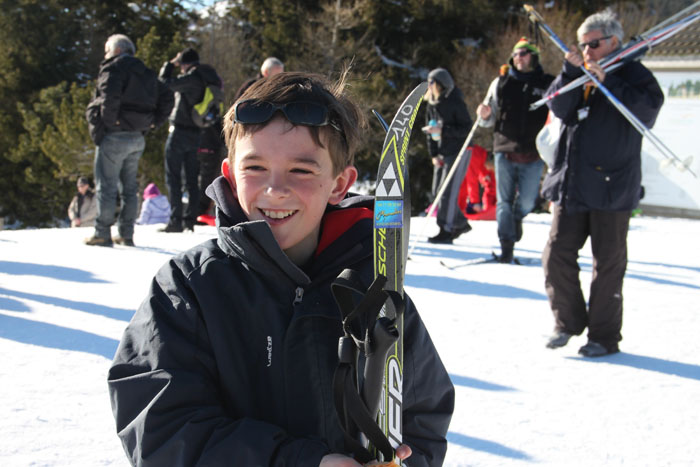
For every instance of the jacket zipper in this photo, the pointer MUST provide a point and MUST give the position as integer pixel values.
(298, 296)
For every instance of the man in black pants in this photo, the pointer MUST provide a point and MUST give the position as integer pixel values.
(184, 137)
(595, 183)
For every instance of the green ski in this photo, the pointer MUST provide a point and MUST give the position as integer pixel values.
(392, 218)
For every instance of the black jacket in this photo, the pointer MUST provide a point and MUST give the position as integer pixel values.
(516, 125)
(230, 358)
(189, 90)
(598, 160)
(127, 97)
(456, 123)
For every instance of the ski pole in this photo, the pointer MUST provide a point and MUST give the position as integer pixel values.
(443, 186)
(629, 52)
(631, 118)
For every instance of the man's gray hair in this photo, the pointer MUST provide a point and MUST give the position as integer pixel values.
(605, 21)
(121, 42)
(271, 62)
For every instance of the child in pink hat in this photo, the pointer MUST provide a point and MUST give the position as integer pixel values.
(155, 208)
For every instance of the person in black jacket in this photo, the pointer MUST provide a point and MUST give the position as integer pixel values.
(128, 101)
(518, 165)
(448, 125)
(270, 67)
(594, 183)
(184, 138)
(230, 359)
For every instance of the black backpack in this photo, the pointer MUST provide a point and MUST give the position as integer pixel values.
(211, 107)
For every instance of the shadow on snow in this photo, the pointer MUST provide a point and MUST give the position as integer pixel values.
(48, 270)
(684, 370)
(466, 287)
(120, 314)
(466, 381)
(55, 337)
(486, 446)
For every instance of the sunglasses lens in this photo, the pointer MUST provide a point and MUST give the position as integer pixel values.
(306, 113)
(254, 111)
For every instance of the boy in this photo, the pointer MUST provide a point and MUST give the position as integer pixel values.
(230, 359)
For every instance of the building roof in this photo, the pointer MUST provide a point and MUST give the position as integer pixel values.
(681, 52)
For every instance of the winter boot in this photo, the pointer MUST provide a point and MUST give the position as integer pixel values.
(98, 241)
(558, 339)
(443, 237)
(506, 253)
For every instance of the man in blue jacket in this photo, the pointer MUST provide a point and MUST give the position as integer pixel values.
(595, 183)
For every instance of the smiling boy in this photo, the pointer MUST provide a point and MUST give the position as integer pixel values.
(230, 359)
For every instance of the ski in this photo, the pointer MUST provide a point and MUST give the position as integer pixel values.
(487, 259)
(392, 218)
(633, 50)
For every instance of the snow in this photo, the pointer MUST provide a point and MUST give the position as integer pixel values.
(63, 307)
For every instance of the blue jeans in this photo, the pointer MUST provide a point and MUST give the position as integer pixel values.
(181, 151)
(517, 184)
(116, 166)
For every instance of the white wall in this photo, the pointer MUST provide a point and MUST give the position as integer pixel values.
(678, 127)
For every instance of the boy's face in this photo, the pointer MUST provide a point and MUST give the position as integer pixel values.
(282, 177)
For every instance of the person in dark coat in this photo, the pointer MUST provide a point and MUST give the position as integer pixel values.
(270, 67)
(128, 102)
(230, 358)
(518, 165)
(448, 125)
(184, 137)
(595, 183)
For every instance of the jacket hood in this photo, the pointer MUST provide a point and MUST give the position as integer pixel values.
(127, 62)
(151, 191)
(208, 74)
(443, 77)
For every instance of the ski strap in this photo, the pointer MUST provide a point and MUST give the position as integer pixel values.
(360, 325)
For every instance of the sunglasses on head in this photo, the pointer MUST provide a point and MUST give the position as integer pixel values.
(521, 53)
(594, 44)
(253, 111)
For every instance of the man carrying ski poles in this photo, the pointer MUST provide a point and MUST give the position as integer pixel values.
(518, 166)
(595, 183)
(230, 360)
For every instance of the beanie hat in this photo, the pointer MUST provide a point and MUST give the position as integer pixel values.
(151, 191)
(189, 55)
(83, 181)
(525, 43)
(443, 77)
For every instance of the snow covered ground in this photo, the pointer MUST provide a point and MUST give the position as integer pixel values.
(63, 307)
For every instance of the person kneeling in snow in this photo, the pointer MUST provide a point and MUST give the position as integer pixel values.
(155, 208)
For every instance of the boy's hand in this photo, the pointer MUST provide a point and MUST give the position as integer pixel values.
(403, 452)
(338, 460)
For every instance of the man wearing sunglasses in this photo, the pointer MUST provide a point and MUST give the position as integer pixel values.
(518, 165)
(594, 184)
(230, 360)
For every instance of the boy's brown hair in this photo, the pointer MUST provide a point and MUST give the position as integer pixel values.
(346, 119)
